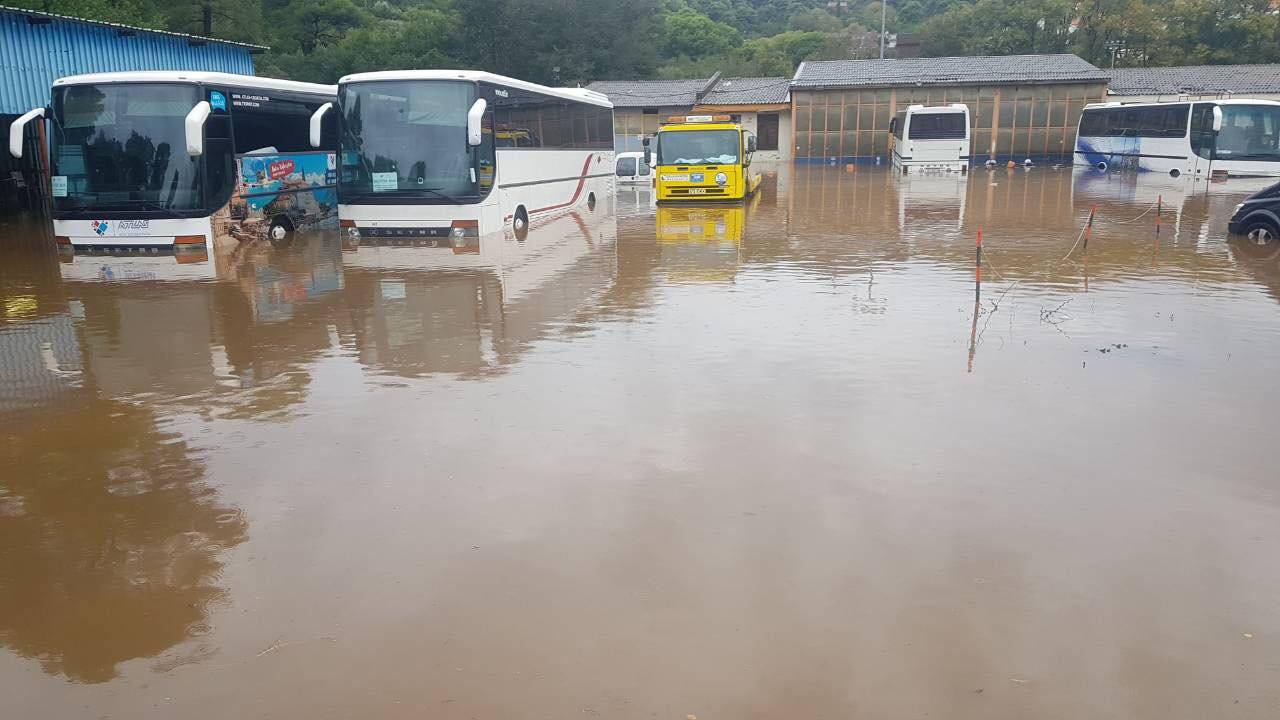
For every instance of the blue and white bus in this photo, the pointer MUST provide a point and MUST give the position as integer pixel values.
(170, 163)
(1238, 138)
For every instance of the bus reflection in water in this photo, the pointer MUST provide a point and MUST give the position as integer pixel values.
(702, 243)
(421, 310)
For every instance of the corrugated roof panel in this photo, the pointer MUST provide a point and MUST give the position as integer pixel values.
(32, 56)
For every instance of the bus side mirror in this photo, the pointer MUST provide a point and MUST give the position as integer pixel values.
(648, 153)
(1217, 118)
(475, 130)
(194, 126)
(317, 121)
(18, 127)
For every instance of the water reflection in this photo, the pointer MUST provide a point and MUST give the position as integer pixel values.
(422, 310)
(689, 431)
(110, 541)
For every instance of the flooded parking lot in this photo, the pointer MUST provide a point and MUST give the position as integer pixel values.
(782, 460)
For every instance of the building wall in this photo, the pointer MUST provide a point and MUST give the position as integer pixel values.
(631, 125)
(35, 50)
(1008, 122)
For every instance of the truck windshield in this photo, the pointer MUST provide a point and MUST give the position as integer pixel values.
(698, 147)
(123, 147)
(1249, 132)
(407, 139)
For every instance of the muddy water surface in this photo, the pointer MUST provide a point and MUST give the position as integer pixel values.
(738, 463)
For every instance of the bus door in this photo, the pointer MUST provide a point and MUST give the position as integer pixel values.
(1203, 138)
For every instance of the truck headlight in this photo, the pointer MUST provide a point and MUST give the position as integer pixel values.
(721, 178)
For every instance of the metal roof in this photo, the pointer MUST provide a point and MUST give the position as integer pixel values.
(1195, 80)
(749, 91)
(650, 93)
(120, 26)
(582, 94)
(210, 78)
(37, 48)
(984, 70)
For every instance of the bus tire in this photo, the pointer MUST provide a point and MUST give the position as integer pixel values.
(591, 201)
(280, 230)
(1102, 167)
(520, 223)
(1175, 173)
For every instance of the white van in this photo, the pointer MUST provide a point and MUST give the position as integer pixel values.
(931, 138)
(631, 168)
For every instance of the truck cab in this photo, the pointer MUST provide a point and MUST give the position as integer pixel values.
(702, 158)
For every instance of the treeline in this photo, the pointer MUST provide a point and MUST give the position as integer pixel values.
(576, 41)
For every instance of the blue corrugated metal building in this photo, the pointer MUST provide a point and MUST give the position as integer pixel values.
(36, 48)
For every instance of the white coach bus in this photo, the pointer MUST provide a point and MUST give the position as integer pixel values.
(931, 138)
(168, 163)
(438, 158)
(1240, 138)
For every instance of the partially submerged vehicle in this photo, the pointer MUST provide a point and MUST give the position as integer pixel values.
(702, 158)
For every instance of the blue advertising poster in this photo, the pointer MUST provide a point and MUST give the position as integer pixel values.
(299, 186)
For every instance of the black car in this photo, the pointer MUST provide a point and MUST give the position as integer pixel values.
(1258, 217)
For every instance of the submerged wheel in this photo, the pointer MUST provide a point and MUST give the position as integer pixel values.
(591, 201)
(280, 229)
(1261, 232)
(520, 223)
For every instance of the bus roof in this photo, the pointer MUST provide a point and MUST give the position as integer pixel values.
(212, 78)
(952, 108)
(1232, 101)
(579, 94)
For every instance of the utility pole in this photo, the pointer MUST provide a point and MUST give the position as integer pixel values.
(883, 4)
(206, 18)
(1114, 46)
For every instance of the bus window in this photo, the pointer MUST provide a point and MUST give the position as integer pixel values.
(1248, 133)
(937, 126)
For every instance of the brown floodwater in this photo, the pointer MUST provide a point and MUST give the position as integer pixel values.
(760, 462)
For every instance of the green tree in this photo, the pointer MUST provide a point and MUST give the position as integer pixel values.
(691, 34)
(1001, 27)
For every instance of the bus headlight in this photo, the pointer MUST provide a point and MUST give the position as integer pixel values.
(721, 178)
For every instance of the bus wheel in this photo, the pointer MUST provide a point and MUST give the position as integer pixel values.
(591, 201)
(1102, 166)
(520, 223)
(1175, 172)
(279, 230)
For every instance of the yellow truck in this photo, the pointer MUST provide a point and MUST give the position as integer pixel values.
(702, 158)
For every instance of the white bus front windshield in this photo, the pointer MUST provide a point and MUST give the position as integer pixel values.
(407, 139)
(698, 147)
(1249, 132)
(123, 147)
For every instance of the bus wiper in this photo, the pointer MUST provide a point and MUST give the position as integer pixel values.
(153, 205)
(410, 192)
(437, 193)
